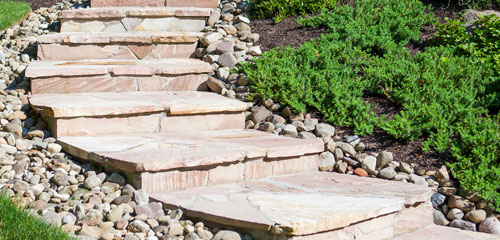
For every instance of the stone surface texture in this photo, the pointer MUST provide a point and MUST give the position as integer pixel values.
(301, 204)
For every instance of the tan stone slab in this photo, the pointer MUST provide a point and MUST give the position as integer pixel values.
(170, 24)
(174, 180)
(113, 104)
(43, 69)
(193, 3)
(176, 156)
(133, 71)
(58, 52)
(275, 202)
(149, 123)
(78, 85)
(279, 149)
(127, 3)
(103, 66)
(203, 122)
(122, 12)
(362, 186)
(182, 150)
(117, 37)
(447, 233)
(96, 13)
(180, 83)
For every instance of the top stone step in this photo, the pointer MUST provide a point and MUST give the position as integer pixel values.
(133, 12)
(155, 3)
(134, 19)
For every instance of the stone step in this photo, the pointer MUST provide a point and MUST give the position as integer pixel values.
(155, 3)
(133, 19)
(312, 206)
(91, 114)
(118, 75)
(162, 162)
(136, 46)
(446, 233)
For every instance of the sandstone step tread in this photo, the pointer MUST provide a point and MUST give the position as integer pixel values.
(155, 3)
(117, 67)
(114, 104)
(184, 150)
(118, 37)
(134, 12)
(299, 204)
(446, 233)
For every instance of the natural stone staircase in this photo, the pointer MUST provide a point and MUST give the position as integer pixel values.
(119, 87)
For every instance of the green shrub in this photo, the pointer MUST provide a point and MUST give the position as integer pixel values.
(376, 26)
(18, 224)
(319, 74)
(325, 74)
(481, 4)
(447, 94)
(483, 41)
(280, 9)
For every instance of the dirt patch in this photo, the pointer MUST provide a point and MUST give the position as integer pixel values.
(36, 4)
(285, 33)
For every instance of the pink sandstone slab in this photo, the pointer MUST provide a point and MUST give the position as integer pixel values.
(123, 12)
(127, 3)
(447, 233)
(94, 67)
(118, 37)
(203, 122)
(278, 205)
(193, 3)
(89, 84)
(77, 52)
(175, 150)
(114, 104)
(58, 52)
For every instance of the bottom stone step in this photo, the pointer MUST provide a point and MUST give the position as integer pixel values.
(446, 233)
(309, 206)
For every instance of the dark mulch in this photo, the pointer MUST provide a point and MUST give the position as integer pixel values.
(289, 33)
(285, 33)
(36, 4)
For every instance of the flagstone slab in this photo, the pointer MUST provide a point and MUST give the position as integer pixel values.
(114, 104)
(122, 12)
(106, 67)
(127, 3)
(135, 24)
(447, 233)
(158, 162)
(155, 3)
(126, 38)
(193, 3)
(279, 206)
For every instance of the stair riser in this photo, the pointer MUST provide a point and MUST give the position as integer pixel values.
(250, 170)
(144, 123)
(66, 52)
(63, 85)
(155, 182)
(129, 24)
(155, 3)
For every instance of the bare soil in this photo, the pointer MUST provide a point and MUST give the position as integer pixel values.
(36, 4)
